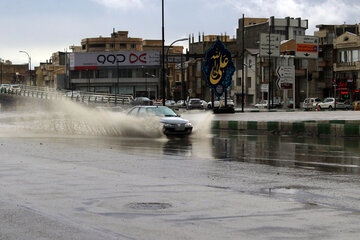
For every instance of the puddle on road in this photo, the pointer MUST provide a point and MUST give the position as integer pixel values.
(149, 206)
(309, 153)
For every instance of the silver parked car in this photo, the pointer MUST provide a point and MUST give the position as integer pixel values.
(172, 124)
(195, 103)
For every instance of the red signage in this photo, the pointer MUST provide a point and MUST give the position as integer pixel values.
(309, 48)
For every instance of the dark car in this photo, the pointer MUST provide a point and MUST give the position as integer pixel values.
(172, 124)
(142, 101)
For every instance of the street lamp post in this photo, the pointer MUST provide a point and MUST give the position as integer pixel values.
(167, 55)
(148, 89)
(163, 56)
(1, 62)
(29, 65)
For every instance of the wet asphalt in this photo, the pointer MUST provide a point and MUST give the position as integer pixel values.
(213, 185)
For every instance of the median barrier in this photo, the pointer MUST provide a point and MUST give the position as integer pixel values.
(348, 128)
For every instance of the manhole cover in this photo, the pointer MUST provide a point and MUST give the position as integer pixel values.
(149, 206)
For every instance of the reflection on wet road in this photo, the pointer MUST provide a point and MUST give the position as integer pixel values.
(326, 154)
(318, 153)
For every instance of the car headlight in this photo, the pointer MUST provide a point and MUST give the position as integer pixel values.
(188, 124)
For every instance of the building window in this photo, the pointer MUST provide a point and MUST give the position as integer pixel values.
(125, 73)
(83, 47)
(100, 45)
(85, 74)
(248, 82)
(198, 66)
(198, 83)
(355, 55)
(238, 81)
(103, 73)
(74, 74)
(123, 45)
(112, 45)
(133, 46)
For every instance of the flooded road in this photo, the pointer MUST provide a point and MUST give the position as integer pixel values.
(327, 154)
(65, 177)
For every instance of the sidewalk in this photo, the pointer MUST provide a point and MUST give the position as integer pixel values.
(334, 123)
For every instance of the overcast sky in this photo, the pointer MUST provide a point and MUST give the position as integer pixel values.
(41, 27)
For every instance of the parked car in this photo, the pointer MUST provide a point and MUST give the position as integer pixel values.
(5, 87)
(172, 124)
(328, 103)
(194, 103)
(229, 102)
(170, 103)
(221, 103)
(216, 104)
(142, 101)
(264, 104)
(180, 103)
(310, 103)
(73, 94)
(15, 87)
(204, 104)
(343, 104)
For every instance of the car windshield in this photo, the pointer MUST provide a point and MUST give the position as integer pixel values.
(162, 111)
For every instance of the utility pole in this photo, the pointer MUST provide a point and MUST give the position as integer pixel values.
(163, 56)
(243, 64)
(1, 62)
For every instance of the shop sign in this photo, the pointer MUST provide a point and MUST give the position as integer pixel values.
(95, 60)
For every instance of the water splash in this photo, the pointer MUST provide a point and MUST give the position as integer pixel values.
(71, 118)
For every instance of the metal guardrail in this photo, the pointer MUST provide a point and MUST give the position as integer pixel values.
(53, 94)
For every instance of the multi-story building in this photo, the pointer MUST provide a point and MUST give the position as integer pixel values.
(347, 66)
(14, 73)
(52, 73)
(250, 29)
(330, 72)
(123, 65)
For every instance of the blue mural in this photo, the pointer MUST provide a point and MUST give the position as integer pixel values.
(218, 68)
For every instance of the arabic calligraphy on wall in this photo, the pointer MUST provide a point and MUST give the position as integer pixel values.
(218, 68)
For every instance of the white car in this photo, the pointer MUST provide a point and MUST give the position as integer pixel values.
(310, 103)
(216, 104)
(72, 94)
(328, 103)
(180, 103)
(170, 103)
(221, 103)
(262, 104)
(15, 87)
(5, 87)
(172, 124)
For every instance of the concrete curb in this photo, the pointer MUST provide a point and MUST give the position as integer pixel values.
(343, 128)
